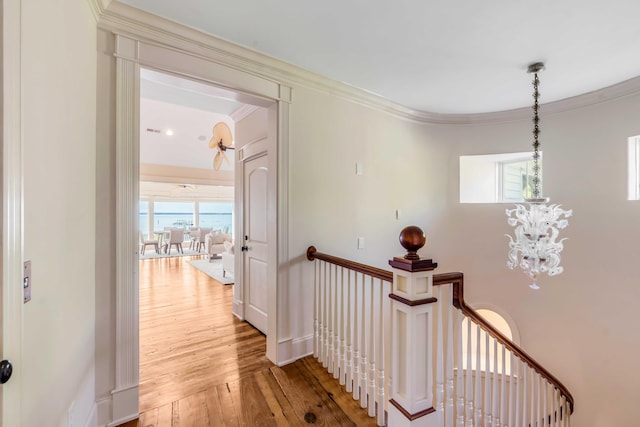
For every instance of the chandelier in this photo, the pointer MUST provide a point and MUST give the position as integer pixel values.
(535, 249)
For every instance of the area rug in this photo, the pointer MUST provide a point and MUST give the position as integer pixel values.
(212, 269)
(150, 253)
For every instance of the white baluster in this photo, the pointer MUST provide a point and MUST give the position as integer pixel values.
(554, 407)
(460, 390)
(545, 409)
(364, 352)
(503, 389)
(371, 391)
(494, 420)
(356, 338)
(468, 390)
(538, 416)
(449, 408)
(330, 325)
(525, 392)
(316, 305)
(477, 394)
(487, 381)
(519, 379)
(380, 346)
(327, 303)
(349, 335)
(343, 331)
(321, 314)
(439, 403)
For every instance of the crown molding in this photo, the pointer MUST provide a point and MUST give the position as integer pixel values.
(124, 19)
(243, 112)
(98, 7)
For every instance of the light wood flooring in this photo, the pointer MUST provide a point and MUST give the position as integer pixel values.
(200, 366)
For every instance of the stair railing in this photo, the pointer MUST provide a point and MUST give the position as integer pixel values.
(408, 347)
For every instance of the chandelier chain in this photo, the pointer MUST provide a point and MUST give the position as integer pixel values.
(536, 142)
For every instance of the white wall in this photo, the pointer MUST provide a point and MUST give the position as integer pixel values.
(59, 106)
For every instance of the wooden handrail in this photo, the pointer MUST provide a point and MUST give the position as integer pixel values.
(458, 302)
(378, 273)
(457, 280)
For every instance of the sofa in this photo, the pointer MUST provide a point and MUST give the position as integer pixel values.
(214, 243)
(228, 259)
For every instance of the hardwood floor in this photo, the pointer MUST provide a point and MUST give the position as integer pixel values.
(200, 366)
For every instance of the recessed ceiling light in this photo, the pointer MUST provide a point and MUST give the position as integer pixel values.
(169, 132)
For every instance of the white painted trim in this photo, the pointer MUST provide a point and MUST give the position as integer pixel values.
(12, 215)
(147, 26)
(97, 7)
(131, 53)
(104, 410)
(124, 405)
(127, 301)
(243, 112)
(293, 349)
(92, 418)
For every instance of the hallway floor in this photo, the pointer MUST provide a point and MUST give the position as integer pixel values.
(201, 366)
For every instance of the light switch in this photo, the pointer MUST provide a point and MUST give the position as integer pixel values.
(360, 242)
(359, 168)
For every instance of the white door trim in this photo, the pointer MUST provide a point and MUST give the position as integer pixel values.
(133, 52)
(12, 243)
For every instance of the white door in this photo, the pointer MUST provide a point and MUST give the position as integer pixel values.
(255, 241)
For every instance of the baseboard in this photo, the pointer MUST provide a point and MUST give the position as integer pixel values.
(124, 405)
(293, 349)
(238, 309)
(92, 419)
(104, 411)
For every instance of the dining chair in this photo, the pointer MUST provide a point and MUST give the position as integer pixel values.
(176, 237)
(194, 234)
(200, 241)
(144, 243)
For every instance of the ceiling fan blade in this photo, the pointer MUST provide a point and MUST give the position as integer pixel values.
(222, 135)
(217, 161)
(226, 159)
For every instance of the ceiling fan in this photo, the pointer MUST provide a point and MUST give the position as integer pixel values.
(222, 141)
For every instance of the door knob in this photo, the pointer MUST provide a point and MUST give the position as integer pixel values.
(5, 371)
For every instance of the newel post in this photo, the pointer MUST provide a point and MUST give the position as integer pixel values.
(411, 396)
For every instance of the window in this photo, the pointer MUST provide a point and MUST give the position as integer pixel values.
(144, 219)
(155, 216)
(633, 187)
(216, 215)
(496, 178)
(173, 214)
(498, 322)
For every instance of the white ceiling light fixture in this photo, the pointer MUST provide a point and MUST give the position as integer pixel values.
(169, 132)
(535, 249)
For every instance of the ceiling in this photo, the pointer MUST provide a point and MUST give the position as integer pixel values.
(436, 56)
(176, 121)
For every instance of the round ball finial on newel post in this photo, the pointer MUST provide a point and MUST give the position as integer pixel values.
(412, 238)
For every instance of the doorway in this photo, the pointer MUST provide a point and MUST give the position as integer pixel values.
(132, 54)
(177, 116)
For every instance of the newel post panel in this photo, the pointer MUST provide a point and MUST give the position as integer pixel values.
(412, 305)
